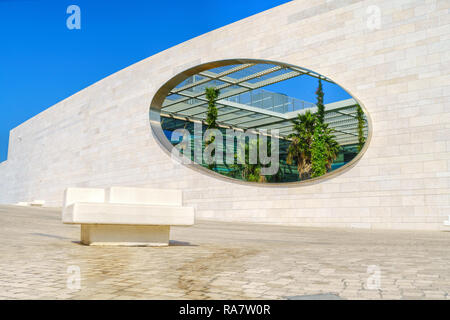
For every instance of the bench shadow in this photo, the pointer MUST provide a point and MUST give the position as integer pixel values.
(49, 236)
(172, 243)
(175, 243)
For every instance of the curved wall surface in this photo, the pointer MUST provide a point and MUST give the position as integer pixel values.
(101, 136)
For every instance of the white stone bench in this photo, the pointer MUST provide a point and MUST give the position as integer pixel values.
(125, 216)
(34, 203)
(447, 222)
(37, 203)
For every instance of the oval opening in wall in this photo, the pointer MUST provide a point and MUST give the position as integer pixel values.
(259, 122)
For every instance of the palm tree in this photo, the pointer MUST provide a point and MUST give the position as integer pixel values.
(332, 147)
(313, 146)
(299, 150)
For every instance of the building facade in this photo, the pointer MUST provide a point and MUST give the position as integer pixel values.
(392, 55)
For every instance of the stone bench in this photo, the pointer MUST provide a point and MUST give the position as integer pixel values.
(125, 216)
(34, 203)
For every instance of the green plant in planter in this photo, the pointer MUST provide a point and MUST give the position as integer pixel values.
(211, 116)
(320, 106)
(324, 150)
(361, 121)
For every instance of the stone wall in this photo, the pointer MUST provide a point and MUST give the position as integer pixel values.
(101, 136)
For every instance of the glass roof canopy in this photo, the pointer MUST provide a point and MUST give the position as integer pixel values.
(244, 105)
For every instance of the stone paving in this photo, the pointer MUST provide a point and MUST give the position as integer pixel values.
(214, 260)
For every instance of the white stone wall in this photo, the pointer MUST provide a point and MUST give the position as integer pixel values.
(101, 136)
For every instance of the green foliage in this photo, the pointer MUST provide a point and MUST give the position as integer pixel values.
(319, 159)
(313, 146)
(360, 117)
(324, 150)
(320, 105)
(249, 171)
(277, 177)
(299, 150)
(332, 146)
(211, 116)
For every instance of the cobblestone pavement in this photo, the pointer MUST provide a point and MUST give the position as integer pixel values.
(215, 260)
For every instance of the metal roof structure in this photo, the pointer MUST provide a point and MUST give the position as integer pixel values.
(243, 104)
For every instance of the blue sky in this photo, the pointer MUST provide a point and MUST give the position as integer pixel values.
(43, 62)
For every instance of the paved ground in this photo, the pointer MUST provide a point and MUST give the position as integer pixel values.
(220, 261)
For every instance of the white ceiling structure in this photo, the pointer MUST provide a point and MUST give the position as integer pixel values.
(243, 104)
